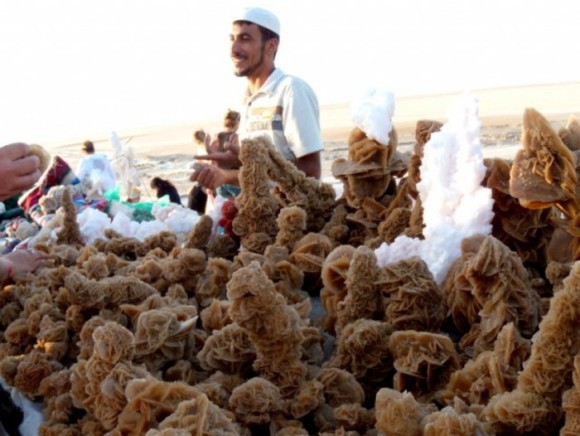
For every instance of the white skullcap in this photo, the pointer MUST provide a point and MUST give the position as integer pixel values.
(260, 16)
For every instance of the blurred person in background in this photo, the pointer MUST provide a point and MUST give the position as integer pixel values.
(96, 168)
(164, 187)
(226, 145)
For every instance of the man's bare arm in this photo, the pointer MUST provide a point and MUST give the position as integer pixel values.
(225, 159)
(310, 164)
(211, 177)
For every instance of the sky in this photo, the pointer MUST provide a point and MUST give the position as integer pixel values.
(78, 67)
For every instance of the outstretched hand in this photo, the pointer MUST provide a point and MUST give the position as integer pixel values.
(20, 170)
(225, 159)
(19, 262)
(209, 176)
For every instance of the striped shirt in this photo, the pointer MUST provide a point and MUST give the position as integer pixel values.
(286, 110)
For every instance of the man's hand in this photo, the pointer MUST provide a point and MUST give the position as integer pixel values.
(210, 177)
(19, 169)
(226, 159)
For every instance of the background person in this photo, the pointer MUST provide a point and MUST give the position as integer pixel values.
(197, 197)
(227, 140)
(96, 168)
(164, 187)
(280, 106)
(227, 145)
(202, 140)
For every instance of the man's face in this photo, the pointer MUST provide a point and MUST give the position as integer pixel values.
(247, 49)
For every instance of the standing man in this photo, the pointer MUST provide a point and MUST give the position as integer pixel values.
(277, 105)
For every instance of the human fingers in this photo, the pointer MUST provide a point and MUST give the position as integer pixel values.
(39, 255)
(195, 175)
(21, 169)
(203, 176)
(26, 165)
(34, 260)
(24, 261)
(31, 253)
(216, 157)
(203, 156)
(16, 184)
(25, 181)
(15, 151)
(208, 177)
(39, 259)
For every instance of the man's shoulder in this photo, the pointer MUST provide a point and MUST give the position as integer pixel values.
(281, 78)
(291, 79)
(294, 85)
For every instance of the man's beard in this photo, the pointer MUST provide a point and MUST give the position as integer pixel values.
(252, 68)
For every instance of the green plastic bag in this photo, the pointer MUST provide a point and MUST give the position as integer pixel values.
(141, 211)
(113, 194)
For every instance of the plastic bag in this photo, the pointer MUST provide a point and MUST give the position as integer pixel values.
(139, 211)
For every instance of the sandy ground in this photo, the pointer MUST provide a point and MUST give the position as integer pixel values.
(167, 151)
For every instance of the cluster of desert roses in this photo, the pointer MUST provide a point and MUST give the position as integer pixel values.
(216, 336)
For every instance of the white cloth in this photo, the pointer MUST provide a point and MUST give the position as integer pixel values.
(97, 168)
(286, 110)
